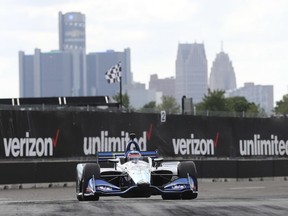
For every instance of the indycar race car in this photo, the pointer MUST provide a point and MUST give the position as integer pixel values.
(136, 174)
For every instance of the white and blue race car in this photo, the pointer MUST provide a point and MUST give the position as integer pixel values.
(136, 174)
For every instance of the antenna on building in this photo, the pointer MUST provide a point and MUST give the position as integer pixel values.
(222, 46)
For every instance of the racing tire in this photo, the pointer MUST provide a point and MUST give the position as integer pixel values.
(184, 168)
(189, 195)
(89, 170)
(79, 197)
(78, 188)
(171, 196)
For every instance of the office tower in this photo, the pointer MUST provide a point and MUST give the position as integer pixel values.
(139, 95)
(55, 73)
(98, 63)
(166, 85)
(191, 72)
(61, 72)
(261, 95)
(64, 72)
(72, 34)
(222, 76)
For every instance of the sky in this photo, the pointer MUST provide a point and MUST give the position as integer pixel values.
(254, 35)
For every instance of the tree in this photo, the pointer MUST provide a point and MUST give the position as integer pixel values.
(237, 104)
(240, 105)
(169, 104)
(253, 108)
(151, 106)
(282, 106)
(213, 101)
(125, 100)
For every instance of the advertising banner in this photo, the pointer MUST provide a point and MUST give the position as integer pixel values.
(61, 134)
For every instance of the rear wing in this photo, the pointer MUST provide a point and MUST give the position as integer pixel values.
(104, 156)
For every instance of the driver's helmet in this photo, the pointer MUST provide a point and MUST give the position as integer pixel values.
(134, 155)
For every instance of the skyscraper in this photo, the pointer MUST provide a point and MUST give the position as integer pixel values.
(61, 72)
(65, 72)
(49, 74)
(222, 76)
(98, 63)
(166, 85)
(191, 72)
(72, 38)
(72, 34)
(261, 95)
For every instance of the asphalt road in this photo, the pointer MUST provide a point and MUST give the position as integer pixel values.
(217, 198)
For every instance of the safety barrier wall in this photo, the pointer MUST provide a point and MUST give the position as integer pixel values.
(232, 147)
(63, 134)
(49, 172)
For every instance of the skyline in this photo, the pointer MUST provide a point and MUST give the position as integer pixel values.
(253, 33)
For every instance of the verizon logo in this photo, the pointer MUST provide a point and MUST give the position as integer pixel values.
(29, 146)
(258, 146)
(194, 146)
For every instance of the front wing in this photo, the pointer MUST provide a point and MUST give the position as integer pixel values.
(103, 188)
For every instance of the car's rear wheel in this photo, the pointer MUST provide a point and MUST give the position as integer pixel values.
(79, 197)
(90, 170)
(188, 168)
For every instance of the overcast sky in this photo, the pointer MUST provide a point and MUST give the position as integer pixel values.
(254, 34)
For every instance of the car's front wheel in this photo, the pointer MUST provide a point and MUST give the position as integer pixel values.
(188, 168)
(171, 196)
(90, 170)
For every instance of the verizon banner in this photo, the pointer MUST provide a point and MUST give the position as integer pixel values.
(60, 134)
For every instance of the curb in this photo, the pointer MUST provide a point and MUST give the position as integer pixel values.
(37, 185)
(210, 180)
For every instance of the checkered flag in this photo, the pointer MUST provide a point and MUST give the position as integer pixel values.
(114, 73)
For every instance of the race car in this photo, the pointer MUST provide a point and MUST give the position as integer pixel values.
(136, 173)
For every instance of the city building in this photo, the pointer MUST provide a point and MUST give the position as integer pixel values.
(72, 34)
(49, 74)
(61, 72)
(65, 72)
(166, 85)
(100, 62)
(222, 76)
(191, 72)
(261, 95)
(139, 95)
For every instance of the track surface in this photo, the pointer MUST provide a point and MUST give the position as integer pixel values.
(218, 198)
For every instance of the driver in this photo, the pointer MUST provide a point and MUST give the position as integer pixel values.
(134, 156)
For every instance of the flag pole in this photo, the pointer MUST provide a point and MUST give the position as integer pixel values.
(121, 102)
(113, 75)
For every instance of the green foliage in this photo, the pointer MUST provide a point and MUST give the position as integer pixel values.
(125, 100)
(237, 104)
(169, 104)
(215, 101)
(282, 105)
(151, 106)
